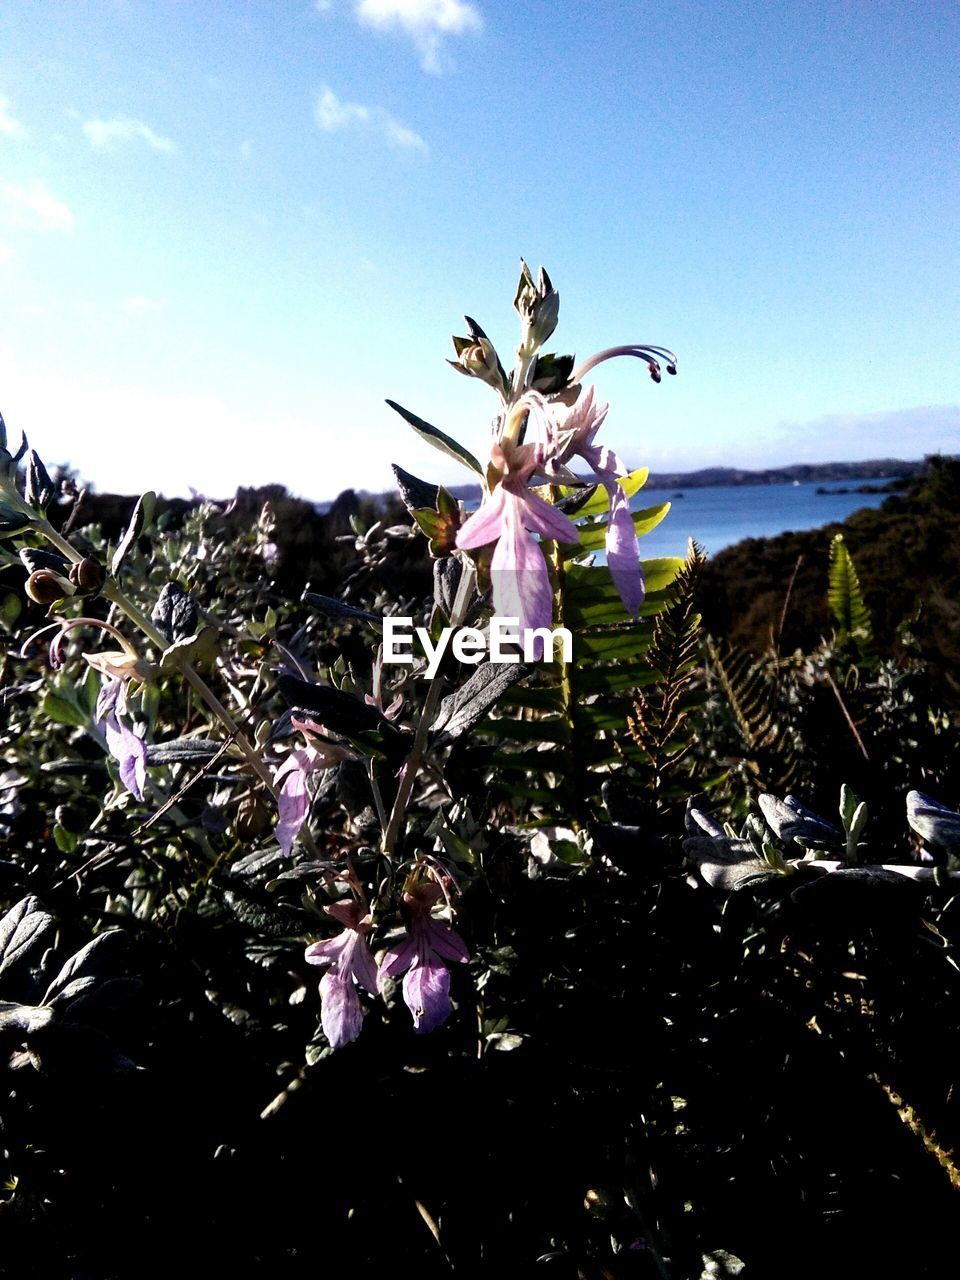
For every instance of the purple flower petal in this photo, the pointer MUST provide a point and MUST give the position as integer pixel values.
(340, 1014)
(107, 697)
(426, 993)
(485, 524)
(543, 517)
(329, 950)
(363, 966)
(446, 942)
(397, 959)
(623, 551)
(293, 802)
(130, 752)
(518, 572)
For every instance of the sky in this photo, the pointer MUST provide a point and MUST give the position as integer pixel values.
(230, 231)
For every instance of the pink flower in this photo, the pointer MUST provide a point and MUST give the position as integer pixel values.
(575, 433)
(430, 946)
(293, 798)
(350, 961)
(129, 751)
(509, 516)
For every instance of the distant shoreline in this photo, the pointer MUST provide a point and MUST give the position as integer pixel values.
(887, 470)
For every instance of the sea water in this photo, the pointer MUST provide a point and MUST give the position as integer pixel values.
(723, 514)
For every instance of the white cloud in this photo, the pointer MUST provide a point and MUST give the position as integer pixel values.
(6, 253)
(401, 136)
(331, 114)
(33, 208)
(125, 129)
(886, 433)
(9, 127)
(426, 22)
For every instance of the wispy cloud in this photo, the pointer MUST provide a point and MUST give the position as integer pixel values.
(427, 23)
(332, 115)
(6, 253)
(33, 208)
(102, 133)
(896, 433)
(9, 127)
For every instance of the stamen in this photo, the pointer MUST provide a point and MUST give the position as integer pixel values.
(641, 350)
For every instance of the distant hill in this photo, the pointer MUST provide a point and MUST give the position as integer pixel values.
(907, 556)
(709, 477)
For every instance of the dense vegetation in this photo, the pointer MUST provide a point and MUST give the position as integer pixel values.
(674, 1021)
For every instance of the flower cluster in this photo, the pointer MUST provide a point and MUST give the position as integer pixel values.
(423, 956)
(545, 393)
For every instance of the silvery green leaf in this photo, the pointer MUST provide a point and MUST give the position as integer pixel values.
(933, 821)
(197, 649)
(140, 518)
(70, 991)
(719, 1262)
(848, 804)
(463, 708)
(859, 820)
(38, 488)
(415, 493)
(22, 930)
(447, 571)
(12, 521)
(338, 608)
(24, 1018)
(175, 614)
(727, 864)
(790, 820)
(439, 439)
(90, 961)
(183, 751)
(697, 822)
(34, 558)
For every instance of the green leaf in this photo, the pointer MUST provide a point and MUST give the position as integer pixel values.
(439, 439)
(592, 536)
(846, 598)
(12, 521)
(658, 574)
(65, 840)
(64, 709)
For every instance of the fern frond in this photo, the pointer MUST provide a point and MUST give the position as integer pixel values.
(657, 726)
(846, 599)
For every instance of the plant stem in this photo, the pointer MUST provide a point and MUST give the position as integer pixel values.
(427, 716)
(116, 597)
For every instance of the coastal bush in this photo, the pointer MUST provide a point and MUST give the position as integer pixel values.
(308, 961)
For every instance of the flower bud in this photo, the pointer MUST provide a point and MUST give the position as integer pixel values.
(46, 587)
(120, 665)
(538, 306)
(477, 358)
(253, 818)
(88, 576)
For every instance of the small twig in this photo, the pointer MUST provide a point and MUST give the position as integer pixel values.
(786, 605)
(843, 707)
(190, 782)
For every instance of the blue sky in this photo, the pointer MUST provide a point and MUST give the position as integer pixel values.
(229, 231)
